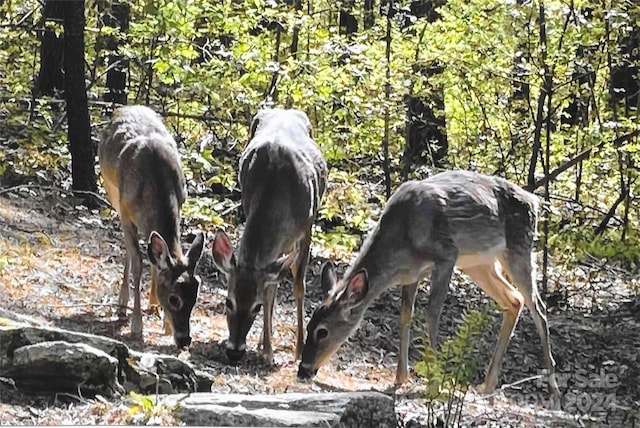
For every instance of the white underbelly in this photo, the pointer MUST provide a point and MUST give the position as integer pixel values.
(483, 258)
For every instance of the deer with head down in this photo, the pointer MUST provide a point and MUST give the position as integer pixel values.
(282, 177)
(142, 174)
(484, 225)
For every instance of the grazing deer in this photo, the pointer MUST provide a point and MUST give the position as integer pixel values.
(481, 224)
(140, 166)
(282, 177)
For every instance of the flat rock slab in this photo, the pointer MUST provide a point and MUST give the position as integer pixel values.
(346, 409)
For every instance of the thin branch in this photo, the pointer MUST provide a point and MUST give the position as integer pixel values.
(582, 156)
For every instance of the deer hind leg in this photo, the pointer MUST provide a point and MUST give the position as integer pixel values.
(268, 301)
(491, 280)
(113, 194)
(134, 258)
(299, 270)
(123, 297)
(406, 313)
(521, 270)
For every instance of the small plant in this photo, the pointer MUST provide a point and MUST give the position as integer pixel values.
(451, 369)
(146, 410)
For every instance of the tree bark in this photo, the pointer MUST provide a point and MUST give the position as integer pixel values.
(79, 128)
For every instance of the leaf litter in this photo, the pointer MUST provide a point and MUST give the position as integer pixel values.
(63, 266)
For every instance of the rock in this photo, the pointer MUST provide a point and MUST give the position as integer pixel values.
(353, 409)
(15, 336)
(24, 345)
(64, 367)
(147, 372)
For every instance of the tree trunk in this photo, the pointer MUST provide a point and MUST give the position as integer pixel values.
(51, 78)
(116, 17)
(79, 131)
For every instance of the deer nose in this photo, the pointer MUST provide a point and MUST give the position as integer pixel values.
(235, 353)
(182, 341)
(306, 372)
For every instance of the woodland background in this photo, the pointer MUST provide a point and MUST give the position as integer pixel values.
(543, 93)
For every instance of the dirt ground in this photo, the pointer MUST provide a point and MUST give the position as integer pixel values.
(62, 265)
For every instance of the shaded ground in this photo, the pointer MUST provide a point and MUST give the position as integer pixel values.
(63, 265)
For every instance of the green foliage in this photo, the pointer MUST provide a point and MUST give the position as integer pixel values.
(147, 411)
(451, 369)
(209, 66)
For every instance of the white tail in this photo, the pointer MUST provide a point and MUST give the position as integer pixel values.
(282, 176)
(482, 224)
(140, 166)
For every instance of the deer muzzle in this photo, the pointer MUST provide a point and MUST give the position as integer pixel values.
(182, 341)
(306, 371)
(235, 353)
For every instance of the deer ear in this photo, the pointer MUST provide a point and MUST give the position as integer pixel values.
(357, 288)
(195, 251)
(328, 278)
(158, 251)
(222, 252)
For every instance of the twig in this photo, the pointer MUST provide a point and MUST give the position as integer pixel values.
(510, 385)
(231, 208)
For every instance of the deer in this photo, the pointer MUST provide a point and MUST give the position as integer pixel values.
(482, 224)
(142, 175)
(282, 177)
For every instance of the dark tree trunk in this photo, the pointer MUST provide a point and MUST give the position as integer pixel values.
(79, 132)
(624, 74)
(51, 77)
(426, 128)
(426, 137)
(348, 23)
(369, 17)
(116, 17)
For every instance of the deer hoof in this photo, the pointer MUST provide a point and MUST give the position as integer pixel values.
(268, 357)
(555, 402)
(484, 389)
(122, 312)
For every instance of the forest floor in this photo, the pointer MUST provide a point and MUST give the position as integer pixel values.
(62, 264)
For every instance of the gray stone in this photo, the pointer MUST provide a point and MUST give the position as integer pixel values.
(352, 409)
(137, 371)
(161, 373)
(64, 367)
(15, 336)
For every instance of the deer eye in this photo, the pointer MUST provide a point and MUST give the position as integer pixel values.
(229, 304)
(321, 333)
(256, 308)
(175, 302)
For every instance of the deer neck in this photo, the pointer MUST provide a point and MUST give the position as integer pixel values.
(169, 228)
(259, 246)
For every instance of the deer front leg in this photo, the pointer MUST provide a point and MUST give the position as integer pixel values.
(406, 313)
(299, 270)
(123, 297)
(135, 259)
(268, 301)
(153, 292)
(440, 278)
